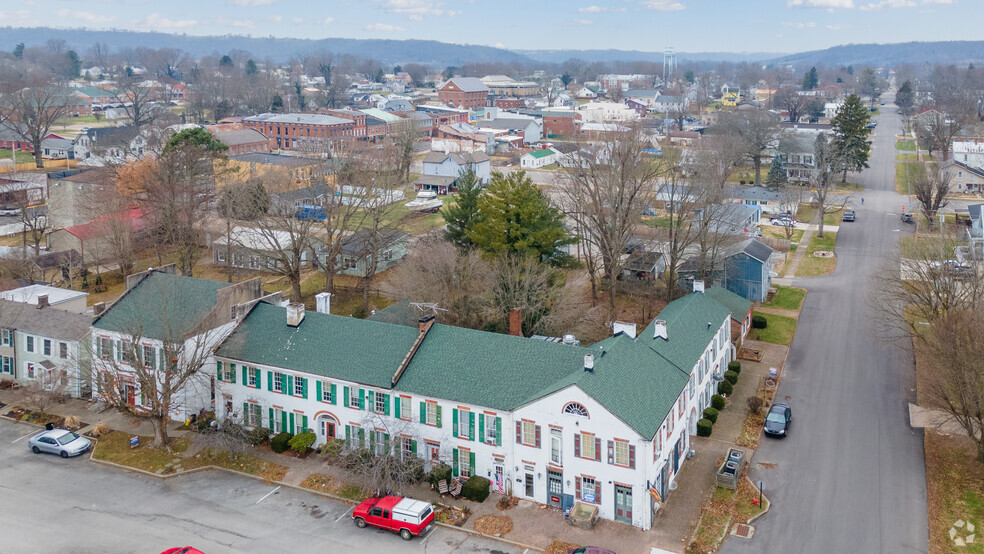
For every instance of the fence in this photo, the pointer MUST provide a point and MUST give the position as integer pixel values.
(782, 245)
(31, 166)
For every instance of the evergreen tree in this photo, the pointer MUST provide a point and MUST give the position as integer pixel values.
(251, 68)
(19, 51)
(904, 98)
(851, 132)
(74, 64)
(463, 214)
(776, 179)
(516, 217)
(196, 136)
(810, 80)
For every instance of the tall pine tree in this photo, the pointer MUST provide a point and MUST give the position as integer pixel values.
(851, 132)
(463, 214)
(776, 179)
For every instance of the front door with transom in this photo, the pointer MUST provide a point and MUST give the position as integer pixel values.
(623, 504)
(326, 427)
(529, 485)
(555, 488)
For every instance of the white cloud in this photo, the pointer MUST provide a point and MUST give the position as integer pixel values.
(583, 22)
(15, 16)
(662, 5)
(327, 21)
(274, 18)
(418, 8)
(937, 1)
(86, 17)
(592, 9)
(498, 45)
(155, 21)
(384, 28)
(836, 27)
(800, 25)
(829, 4)
(297, 20)
(888, 4)
(249, 3)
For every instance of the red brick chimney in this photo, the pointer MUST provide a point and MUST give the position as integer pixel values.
(515, 322)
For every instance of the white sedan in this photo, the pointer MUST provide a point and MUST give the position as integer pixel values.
(59, 441)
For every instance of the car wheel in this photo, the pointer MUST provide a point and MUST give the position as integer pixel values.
(64, 454)
(405, 534)
(359, 522)
(35, 449)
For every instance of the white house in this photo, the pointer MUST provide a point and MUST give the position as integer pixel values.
(538, 158)
(442, 170)
(603, 112)
(608, 424)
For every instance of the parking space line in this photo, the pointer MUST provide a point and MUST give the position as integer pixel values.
(268, 494)
(24, 437)
(344, 514)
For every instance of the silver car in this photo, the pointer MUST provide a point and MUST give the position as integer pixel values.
(59, 441)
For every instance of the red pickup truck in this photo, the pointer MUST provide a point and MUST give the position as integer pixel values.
(406, 516)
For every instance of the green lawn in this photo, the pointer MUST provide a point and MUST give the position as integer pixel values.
(955, 487)
(906, 173)
(927, 248)
(811, 265)
(115, 447)
(787, 298)
(807, 211)
(651, 221)
(779, 329)
(8, 154)
(850, 187)
(905, 145)
(65, 121)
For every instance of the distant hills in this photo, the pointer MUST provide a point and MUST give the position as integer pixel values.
(441, 54)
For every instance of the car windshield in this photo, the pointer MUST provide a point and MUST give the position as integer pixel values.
(67, 438)
(776, 417)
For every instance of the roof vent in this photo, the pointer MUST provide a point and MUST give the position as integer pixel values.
(659, 330)
(589, 363)
(570, 340)
(698, 286)
(709, 325)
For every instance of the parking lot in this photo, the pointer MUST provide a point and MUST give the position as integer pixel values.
(76, 505)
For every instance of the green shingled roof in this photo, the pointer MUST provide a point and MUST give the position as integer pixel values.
(542, 153)
(737, 305)
(347, 348)
(687, 327)
(161, 306)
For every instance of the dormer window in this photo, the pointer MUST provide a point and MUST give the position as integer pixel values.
(574, 408)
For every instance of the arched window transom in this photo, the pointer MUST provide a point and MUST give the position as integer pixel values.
(575, 408)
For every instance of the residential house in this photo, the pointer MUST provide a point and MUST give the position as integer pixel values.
(94, 240)
(397, 105)
(643, 265)
(968, 152)
(74, 199)
(463, 92)
(964, 178)
(586, 92)
(364, 247)
(58, 148)
(741, 314)
(731, 219)
(539, 158)
(607, 425)
(101, 146)
(160, 321)
(646, 98)
(43, 295)
(258, 249)
(39, 342)
(243, 141)
(442, 170)
(796, 151)
(665, 103)
(605, 112)
(278, 170)
(975, 234)
(462, 137)
(297, 131)
(529, 129)
(18, 190)
(767, 200)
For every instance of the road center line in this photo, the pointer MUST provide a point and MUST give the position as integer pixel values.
(24, 437)
(344, 514)
(268, 494)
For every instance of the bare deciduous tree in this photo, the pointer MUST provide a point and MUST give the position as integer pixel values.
(757, 130)
(46, 388)
(30, 105)
(137, 96)
(826, 163)
(930, 191)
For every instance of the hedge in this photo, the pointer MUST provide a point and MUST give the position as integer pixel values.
(711, 414)
(280, 442)
(476, 488)
(759, 322)
(731, 377)
(300, 443)
(734, 366)
(717, 401)
(704, 428)
(725, 388)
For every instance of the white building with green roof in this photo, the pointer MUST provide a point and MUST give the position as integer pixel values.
(607, 424)
(538, 158)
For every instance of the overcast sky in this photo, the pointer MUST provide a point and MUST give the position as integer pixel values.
(651, 25)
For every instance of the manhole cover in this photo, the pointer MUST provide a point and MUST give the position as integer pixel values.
(744, 531)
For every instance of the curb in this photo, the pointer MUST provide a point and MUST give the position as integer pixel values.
(754, 518)
(492, 537)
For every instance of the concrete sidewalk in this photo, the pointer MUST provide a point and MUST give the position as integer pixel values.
(937, 420)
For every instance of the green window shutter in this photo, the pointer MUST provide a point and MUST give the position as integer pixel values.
(245, 411)
(372, 440)
(362, 438)
(334, 396)
(438, 416)
(271, 418)
(386, 404)
(245, 376)
(290, 385)
(304, 387)
(413, 447)
(291, 430)
(396, 407)
(498, 431)
(283, 421)
(259, 378)
(471, 463)
(218, 370)
(423, 412)
(348, 433)
(362, 399)
(471, 426)
(372, 398)
(317, 388)
(284, 384)
(232, 372)
(454, 464)
(304, 423)
(345, 394)
(481, 428)
(386, 443)
(270, 381)
(454, 422)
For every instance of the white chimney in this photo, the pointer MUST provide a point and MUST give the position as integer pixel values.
(660, 330)
(323, 302)
(628, 329)
(589, 362)
(698, 286)
(295, 314)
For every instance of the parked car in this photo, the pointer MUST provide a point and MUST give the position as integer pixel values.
(406, 516)
(310, 212)
(848, 215)
(952, 266)
(782, 221)
(59, 441)
(590, 550)
(906, 218)
(777, 422)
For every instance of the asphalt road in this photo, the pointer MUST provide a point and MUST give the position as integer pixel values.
(850, 477)
(53, 505)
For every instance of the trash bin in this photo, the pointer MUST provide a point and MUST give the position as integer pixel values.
(49, 426)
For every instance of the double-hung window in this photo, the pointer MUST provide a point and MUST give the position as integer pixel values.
(354, 397)
(253, 415)
(464, 467)
(149, 356)
(431, 413)
(46, 347)
(30, 343)
(379, 403)
(405, 412)
(621, 453)
(529, 433)
(30, 370)
(326, 392)
(5, 337)
(252, 377)
(490, 430)
(278, 382)
(105, 348)
(464, 423)
(556, 447)
(299, 386)
(588, 446)
(63, 350)
(228, 372)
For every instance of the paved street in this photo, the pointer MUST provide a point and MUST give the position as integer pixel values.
(850, 477)
(75, 505)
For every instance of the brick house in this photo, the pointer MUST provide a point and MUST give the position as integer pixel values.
(244, 141)
(463, 92)
(294, 131)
